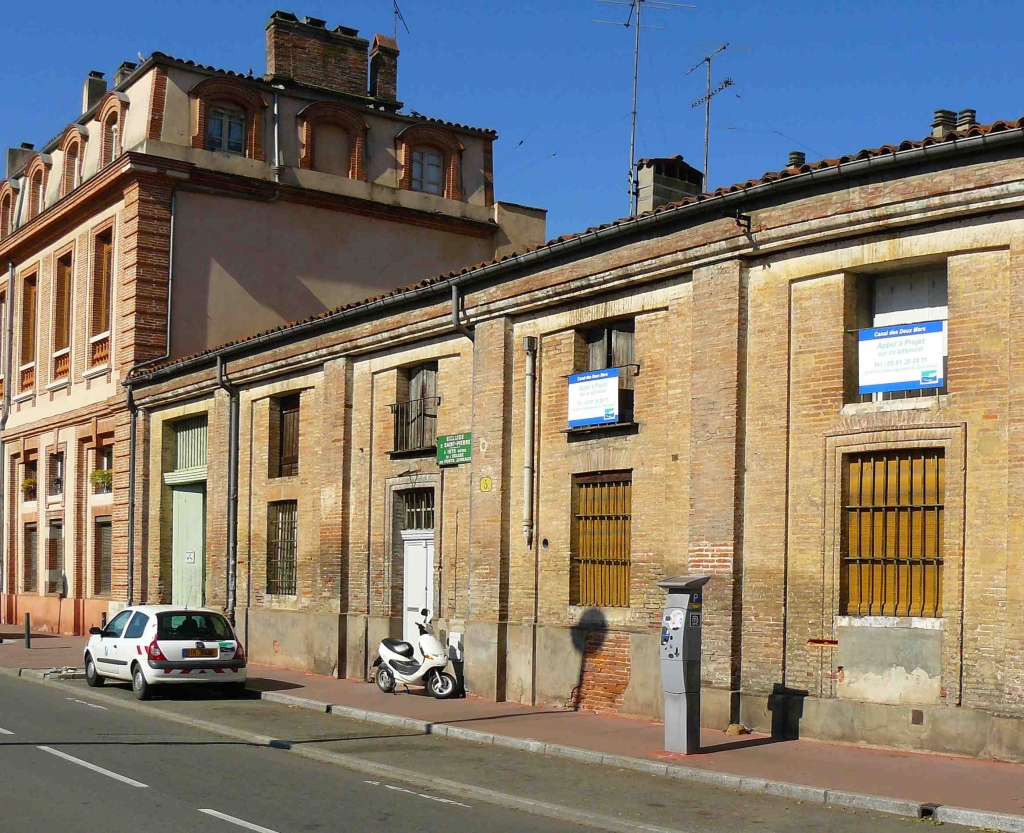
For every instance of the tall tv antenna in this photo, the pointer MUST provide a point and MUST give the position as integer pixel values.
(399, 17)
(635, 9)
(706, 101)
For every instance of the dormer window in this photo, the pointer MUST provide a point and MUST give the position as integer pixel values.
(428, 170)
(225, 130)
(36, 195)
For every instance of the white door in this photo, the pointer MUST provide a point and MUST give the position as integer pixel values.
(188, 545)
(417, 591)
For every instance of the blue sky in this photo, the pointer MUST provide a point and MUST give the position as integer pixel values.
(826, 79)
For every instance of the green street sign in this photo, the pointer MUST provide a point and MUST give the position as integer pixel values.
(454, 449)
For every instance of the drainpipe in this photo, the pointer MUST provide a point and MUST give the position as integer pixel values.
(530, 346)
(277, 168)
(8, 369)
(233, 410)
(456, 322)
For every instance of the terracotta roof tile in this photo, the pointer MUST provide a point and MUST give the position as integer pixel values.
(770, 176)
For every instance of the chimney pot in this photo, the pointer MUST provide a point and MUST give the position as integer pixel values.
(965, 119)
(945, 122)
(93, 90)
(124, 72)
(315, 22)
(665, 180)
(28, 146)
(797, 159)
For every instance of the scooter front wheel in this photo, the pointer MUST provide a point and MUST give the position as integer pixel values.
(385, 679)
(441, 685)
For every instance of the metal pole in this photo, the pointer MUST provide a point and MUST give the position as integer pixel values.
(632, 133)
(28, 631)
(707, 127)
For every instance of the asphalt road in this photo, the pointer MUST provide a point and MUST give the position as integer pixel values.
(69, 765)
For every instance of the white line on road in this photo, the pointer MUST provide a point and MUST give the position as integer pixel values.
(420, 795)
(5, 732)
(248, 825)
(86, 703)
(93, 767)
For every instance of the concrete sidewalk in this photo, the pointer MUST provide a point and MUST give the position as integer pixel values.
(917, 778)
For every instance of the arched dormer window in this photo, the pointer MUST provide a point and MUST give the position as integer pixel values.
(228, 117)
(6, 209)
(333, 140)
(430, 158)
(36, 175)
(72, 145)
(110, 115)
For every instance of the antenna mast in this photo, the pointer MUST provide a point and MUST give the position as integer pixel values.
(706, 101)
(636, 6)
(399, 17)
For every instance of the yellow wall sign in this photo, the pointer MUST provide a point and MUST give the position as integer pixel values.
(486, 484)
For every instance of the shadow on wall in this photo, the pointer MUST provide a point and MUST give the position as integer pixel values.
(787, 707)
(588, 638)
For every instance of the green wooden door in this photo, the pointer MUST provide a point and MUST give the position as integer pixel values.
(188, 545)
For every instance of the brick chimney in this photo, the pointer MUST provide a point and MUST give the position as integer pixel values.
(124, 72)
(666, 180)
(93, 90)
(384, 68)
(306, 52)
(945, 122)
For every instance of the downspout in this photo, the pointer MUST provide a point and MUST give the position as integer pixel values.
(133, 409)
(277, 167)
(233, 412)
(530, 346)
(8, 369)
(456, 322)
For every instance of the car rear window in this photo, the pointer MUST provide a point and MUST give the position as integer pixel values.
(192, 626)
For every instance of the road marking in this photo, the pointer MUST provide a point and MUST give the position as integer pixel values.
(93, 767)
(420, 795)
(248, 825)
(5, 732)
(86, 703)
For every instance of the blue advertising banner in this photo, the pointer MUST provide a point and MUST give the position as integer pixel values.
(902, 357)
(594, 398)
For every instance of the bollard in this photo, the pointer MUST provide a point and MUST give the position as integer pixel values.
(28, 631)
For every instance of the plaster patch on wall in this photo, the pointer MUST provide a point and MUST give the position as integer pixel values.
(894, 686)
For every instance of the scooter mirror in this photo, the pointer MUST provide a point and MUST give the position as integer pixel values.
(424, 612)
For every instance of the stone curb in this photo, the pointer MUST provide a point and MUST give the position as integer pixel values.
(725, 780)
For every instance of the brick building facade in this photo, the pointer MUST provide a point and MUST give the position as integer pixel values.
(188, 206)
(883, 607)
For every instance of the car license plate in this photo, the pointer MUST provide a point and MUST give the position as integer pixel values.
(196, 653)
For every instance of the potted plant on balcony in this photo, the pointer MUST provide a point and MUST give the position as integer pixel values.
(102, 480)
(28, 487)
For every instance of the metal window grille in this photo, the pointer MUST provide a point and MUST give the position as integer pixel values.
(30, 555)
(54, 556)
(190, 443)
(417, 509)
(892, 533)
(600, 546)
(282, 540)
(288, 452)
(102, 547)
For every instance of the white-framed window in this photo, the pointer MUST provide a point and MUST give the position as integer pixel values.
(427, 171)
(225, 130)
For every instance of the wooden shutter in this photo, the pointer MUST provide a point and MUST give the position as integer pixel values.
(102, 550)
(62, 305)
(289, 451)
(28, 321)
(601, 539)
(103, 268)
(892, 534)
(54, 556)
(597, 348)
(30, 577)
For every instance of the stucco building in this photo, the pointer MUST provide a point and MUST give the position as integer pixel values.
(863, 546)
(189, 206)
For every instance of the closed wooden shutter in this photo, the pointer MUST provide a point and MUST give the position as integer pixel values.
(54, 557)
(102, 276)
(30, 572)
(601, 539)
(289, 451)
(893, 533)
(28, 321)
(62, 305)
(101, 554)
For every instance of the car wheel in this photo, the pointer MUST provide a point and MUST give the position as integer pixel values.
(385, 679)
(92, 676)
(139, 684)
(441, 685)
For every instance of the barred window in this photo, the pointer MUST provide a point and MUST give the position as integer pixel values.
(599, 572)
(892, 533)
(102, 541)
(282, 540)
(54, 556)
(417, 509)
(30, 556)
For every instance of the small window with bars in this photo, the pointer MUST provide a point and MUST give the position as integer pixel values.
(54, 557)
(30, 559)
(282, 545)
(599, 572)
(613, 346)
(284, 457)
(102, 548)
(892, 533)
(417, 509)
(55, 475)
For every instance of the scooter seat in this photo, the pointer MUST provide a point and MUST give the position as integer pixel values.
(403, 649)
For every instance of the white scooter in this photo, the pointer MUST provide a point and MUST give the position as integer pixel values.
(397, 663)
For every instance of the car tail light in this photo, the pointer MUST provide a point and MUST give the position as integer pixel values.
(153, 651)
(239, 650)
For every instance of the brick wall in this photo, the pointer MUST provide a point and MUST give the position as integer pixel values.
(315, 56)
(605, 672)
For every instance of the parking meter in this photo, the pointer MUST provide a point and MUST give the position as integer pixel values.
(680, 661)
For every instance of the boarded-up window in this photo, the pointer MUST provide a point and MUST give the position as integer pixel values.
(28, 320)
(62, 305)
(102, 276)
(282, 541)
(54, 556)
(102, 542)
(892, 533)
(599, 572)
(30, 556)
(288, 449)
(612, 345)
(330, 149)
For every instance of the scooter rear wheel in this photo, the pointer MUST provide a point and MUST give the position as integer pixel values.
(385, 679)
(441, 685)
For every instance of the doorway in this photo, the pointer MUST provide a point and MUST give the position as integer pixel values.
(188, 544)
(418, 584)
